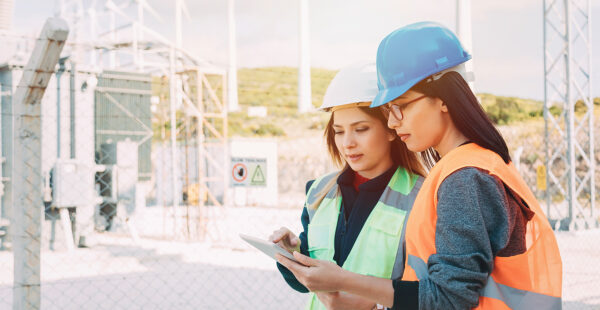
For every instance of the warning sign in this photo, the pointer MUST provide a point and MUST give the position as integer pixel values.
(242, 167)
(541, 177)
(239, 172)
(258, 177)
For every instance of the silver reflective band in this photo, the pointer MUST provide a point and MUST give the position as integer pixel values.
(512, 297)
(418, 265)
(520, 299)
(405, 204)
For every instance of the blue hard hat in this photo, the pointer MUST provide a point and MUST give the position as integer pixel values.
(413, 53)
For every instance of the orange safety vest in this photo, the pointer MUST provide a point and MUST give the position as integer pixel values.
(531, 280)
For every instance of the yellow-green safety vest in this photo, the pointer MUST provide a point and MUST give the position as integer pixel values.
(379, 248)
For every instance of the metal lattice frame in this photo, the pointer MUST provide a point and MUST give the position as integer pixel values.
(569, 114)
(126, 42)
(204, 99)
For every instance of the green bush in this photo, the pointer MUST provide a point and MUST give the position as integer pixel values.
(506, 110)
(269, 130)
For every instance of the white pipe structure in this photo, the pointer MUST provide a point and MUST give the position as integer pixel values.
(6, 14)
(93, 33)
(142, 5)
(59, 8)
(112, 55)
(173, 121)
(232, 87)
(180, 7)
(463, 30)
(304, 87)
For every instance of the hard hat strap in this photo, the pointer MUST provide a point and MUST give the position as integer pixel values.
(351, 105)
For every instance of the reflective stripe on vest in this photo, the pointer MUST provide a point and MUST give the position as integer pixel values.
(379, 249)
(512, 297)
(531, 280)
(317, 186)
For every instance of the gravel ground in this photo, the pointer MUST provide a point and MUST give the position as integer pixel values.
(221, 271)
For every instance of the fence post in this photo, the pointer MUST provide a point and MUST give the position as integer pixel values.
(27, 209)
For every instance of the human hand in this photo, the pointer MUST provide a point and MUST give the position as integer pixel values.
(344, 301)
(316, 275)
(286, 239)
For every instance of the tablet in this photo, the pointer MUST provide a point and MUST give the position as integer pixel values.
(267, 247)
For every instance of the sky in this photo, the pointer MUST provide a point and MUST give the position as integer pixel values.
(507, 35)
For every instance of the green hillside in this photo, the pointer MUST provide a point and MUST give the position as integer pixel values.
(276, 89)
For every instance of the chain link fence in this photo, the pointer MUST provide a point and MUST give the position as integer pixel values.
(127, 222)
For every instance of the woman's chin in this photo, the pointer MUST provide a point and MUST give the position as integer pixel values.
(415, 148)
(354, 167)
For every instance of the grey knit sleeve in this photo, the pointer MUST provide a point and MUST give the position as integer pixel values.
(472, 226)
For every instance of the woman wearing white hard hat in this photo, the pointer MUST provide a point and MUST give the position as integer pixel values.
(355, 217)
(477, 237)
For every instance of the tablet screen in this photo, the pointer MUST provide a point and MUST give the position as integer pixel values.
(267, 247)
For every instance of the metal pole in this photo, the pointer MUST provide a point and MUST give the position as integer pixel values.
(59, 73)
(93, 34)
(73, 99)
(28, 163)
(140, 35)
(172, 107)
(304, 87)
(226, 159)
(570, 121)
(2, 161)
(200, 155)
(112, 56)
(178, 32)
(232, 74)
(591, 119)
(134, 46)
(463, 30)
(546, 115)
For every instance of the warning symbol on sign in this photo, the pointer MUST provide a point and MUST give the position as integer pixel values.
(239, 172)
(247, 171)
(258, 178)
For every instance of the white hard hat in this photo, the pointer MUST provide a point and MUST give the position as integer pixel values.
(355, 85)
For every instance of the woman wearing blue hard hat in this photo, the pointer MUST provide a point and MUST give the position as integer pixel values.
(476, 237)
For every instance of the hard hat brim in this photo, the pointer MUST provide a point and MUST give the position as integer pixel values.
(386, 95)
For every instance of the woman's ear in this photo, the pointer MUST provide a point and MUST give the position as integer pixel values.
(441, 104)
(391, 136)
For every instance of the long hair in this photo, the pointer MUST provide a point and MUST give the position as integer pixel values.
(466, 114)
(401, 156)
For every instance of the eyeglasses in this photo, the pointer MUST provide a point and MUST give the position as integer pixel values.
(398, 109)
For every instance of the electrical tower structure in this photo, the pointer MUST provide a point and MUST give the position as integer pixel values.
(569, 115)
(119, 35)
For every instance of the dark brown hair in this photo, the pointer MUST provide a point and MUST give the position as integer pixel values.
(400, 154)
(466, 114)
